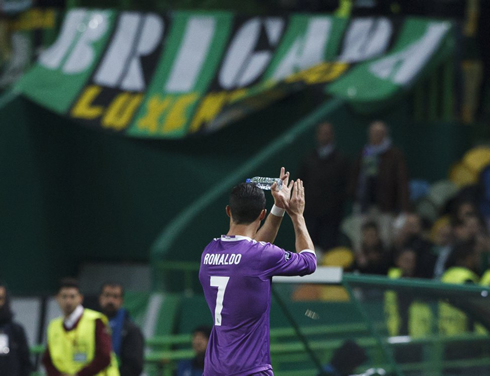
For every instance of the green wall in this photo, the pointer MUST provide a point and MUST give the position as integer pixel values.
(430, 150)
(69, 194)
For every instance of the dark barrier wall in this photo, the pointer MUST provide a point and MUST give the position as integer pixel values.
(69, 194)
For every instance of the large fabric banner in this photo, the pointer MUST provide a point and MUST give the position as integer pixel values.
(171, 75)
(22, 39)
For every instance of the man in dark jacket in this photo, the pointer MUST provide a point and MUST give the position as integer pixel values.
(324, 171)
(127, 338)
(14, 351)
(380, 182)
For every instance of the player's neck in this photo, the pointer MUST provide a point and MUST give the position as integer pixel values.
(243, 230)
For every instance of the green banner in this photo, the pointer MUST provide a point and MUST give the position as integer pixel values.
(171, 75)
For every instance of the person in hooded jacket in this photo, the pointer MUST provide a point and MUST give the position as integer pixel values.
(14, 350)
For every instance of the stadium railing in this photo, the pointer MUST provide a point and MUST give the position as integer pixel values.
(447, 336)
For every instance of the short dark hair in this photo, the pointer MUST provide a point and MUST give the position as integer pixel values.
(246, 202)
(111, 284)
(67, 283)
(204, 329)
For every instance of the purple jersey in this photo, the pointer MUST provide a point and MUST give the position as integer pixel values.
(236, 274)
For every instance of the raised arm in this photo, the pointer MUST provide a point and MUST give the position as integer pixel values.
(295, 210)
(277, 261)
(270, 228)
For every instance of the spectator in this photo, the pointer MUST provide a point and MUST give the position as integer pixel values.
(469, 228)
(195, 366)
(373, 258)
(485, 279)
(474, 227)
(441, 235)
(464, 209)
(410, 227)
(411, 236)
(127, 340)
(465, 228)
(14, 351)
(325, 172)
(345, 359)
(380, 182)
(405, 313)
(79, 342)
(406, 264)
(482, 244)
(463, 265)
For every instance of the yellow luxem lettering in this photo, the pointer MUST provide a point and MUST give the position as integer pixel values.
(121, 110)
(177, 117)
(237, 94)
(315, 74)
(295, 77)
(308, 75)
(154, 110)
(83, 109)
(320, 73)
(210, 106)
(335, 72)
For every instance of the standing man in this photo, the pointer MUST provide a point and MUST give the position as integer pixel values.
(324, 171)
(380, 182)
(127, 340)
(79, 342)
(236, 275)
(14, 351)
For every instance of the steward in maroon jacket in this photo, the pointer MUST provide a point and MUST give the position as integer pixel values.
(79, 343)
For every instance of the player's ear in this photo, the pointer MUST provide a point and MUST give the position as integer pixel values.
(263, 214)
(228, 211)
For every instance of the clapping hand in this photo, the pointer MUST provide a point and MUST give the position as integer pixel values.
(283, 195)
(297, 201)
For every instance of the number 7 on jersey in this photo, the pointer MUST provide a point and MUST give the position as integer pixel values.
(220, 283)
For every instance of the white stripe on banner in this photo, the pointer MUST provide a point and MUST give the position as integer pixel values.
(192, 54)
